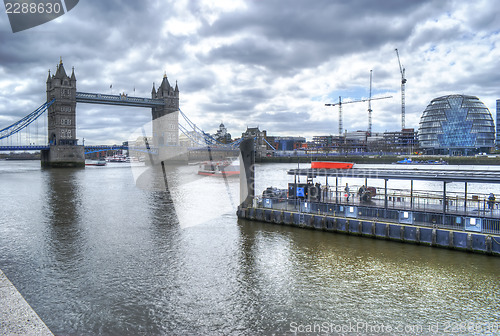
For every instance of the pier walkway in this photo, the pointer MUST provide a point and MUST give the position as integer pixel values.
(16, 315)
(439, 208)
(430, 215)
(458, 220)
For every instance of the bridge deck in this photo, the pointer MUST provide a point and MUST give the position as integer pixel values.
(123, 100)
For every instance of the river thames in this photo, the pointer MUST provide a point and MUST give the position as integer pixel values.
(107, 251)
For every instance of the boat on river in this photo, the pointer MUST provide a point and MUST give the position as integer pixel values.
(426, 162)
(118, 158)
(95, 163)
(222, 168)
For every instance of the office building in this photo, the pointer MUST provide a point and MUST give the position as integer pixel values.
(456, 125)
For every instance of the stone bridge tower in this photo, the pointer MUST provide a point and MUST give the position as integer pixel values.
(166, 117)
(64, 150)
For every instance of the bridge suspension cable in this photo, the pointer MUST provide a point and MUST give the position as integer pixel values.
(202, 138)
(197, 135)
(25, 122)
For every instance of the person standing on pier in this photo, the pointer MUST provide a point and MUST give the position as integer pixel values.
(346, 189)
(491, 201)
(361, 192)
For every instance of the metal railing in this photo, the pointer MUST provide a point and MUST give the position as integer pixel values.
(426, 217)
(476, 204)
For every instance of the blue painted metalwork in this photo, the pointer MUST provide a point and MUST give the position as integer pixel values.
(124, 100)
(199, 137)
(102, 148)
(88, 149)
(267, 142)
(23, 148)
(24, 122)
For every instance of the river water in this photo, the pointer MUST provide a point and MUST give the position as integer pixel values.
(108, 251)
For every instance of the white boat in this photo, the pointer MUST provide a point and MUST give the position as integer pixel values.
(100, 162)
(117, 158)
(227, 167)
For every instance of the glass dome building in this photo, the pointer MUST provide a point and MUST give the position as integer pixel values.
(456, 125)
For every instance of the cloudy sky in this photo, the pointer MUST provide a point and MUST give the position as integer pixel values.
(267, 63)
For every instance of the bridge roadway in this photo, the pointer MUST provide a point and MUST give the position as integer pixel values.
(40, 147)
(16, 315)
(97, 148)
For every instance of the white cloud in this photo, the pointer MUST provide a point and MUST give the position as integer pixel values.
(259, 62)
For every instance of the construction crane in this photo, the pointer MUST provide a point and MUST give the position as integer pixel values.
(340, 103)
(370, 107)
(403, 82)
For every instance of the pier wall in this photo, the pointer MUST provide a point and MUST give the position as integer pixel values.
(405, 233)
(63, 156)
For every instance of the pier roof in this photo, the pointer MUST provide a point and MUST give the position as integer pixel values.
(444, 175)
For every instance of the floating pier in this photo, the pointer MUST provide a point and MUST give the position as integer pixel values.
(376, 228)
(462, 221)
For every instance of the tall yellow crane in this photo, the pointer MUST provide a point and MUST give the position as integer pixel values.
(403, 84)
(340, 103)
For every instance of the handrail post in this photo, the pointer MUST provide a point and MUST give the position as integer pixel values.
(465, 200)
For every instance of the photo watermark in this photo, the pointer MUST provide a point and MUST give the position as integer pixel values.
(366, 328)
(26, 14)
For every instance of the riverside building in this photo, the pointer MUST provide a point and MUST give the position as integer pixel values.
(456, 125)
(498, 123)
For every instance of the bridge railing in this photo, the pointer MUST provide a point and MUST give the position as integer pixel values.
(485, 222)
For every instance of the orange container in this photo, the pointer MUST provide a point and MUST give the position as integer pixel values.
(331, 165)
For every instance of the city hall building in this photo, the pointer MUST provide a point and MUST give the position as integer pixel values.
(456, 125)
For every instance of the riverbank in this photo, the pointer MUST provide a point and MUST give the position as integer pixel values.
(16, 315)
(452, 160)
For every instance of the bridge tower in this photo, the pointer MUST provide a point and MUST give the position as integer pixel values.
(166, 117)
(64, 150)
(166, 121)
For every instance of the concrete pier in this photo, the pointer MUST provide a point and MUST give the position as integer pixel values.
(16, 315)
(63, 156)
(379, 229)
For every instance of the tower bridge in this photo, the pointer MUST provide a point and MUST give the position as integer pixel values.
(62, 148)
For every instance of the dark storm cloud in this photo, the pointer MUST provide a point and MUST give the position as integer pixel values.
(436, 35)
(95, 34)
(287, 126)
(274, 55)
(269, 54)
(299, 34)
(239, 102)
(234, 106)
(96, 37)
(256, 94)
(485, 17)
(198, 81)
